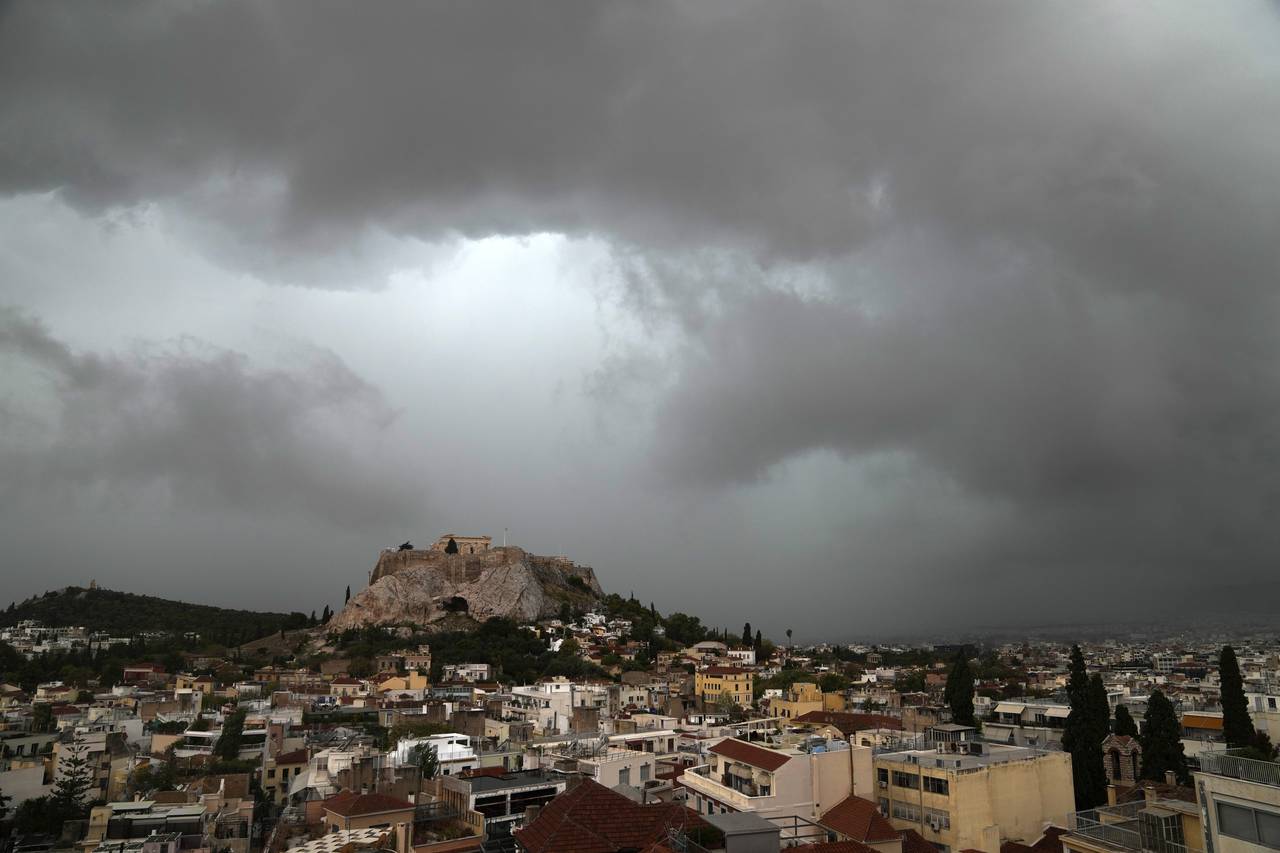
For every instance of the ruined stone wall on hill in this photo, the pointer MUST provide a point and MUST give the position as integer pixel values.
(423, 588)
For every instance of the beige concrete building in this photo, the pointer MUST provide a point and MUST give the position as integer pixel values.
(961, 793)
(803, 781)
(715, 681)
(1240, 803)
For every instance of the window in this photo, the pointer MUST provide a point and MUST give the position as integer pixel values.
(934, 785)
(1249, 824)
(644, 772)
(938, 817)
(906, 780)
(883, 775)
(884, 806)
(905, 811)
(271, 774)
(624, 776)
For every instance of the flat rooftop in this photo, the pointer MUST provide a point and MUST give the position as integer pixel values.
(514, 779)
(931, 759)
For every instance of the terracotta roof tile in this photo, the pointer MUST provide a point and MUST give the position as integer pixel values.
(859, 819)
(351, 804)
(756, 756)
(593, 819)
(848, 722)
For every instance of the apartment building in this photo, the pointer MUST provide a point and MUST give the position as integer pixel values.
(712, 683)
(803, 781)
(1239, 803)
(962, 793)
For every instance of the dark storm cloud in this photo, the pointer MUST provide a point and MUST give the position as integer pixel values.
(205, 426)
(1030, 248)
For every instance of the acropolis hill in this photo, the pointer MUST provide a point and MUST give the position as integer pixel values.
(463, 576)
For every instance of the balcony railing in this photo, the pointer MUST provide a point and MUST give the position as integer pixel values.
(1236, 766)
(1121, 827)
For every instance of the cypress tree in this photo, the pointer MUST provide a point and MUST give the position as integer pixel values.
(959, 691)
(1162, 741)
(1085, 730)
(1237, 727)
(1125, 724)
(746, 635)
(759, 641)
(1099, 710)
(348, 598)
(228, 746)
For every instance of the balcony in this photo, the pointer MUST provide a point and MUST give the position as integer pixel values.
(1235, 766)
(699, 779)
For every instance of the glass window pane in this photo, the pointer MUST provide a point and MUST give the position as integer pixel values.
(1269, 828)
(1237, 822)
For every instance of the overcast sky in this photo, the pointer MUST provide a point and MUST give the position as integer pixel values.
(846, 317)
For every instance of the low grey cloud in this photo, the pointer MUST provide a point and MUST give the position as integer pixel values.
(1017, 261)
(204, 426)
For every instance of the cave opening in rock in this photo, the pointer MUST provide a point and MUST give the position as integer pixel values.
(454, 604)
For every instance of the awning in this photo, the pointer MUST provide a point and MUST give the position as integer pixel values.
(1057, 713)
(1010, 708)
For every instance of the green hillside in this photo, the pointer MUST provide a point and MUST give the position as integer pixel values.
(126, 614)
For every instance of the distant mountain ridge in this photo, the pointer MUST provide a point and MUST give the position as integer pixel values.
(127, 613)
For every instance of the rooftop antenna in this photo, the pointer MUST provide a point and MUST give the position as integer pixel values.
(504, 537)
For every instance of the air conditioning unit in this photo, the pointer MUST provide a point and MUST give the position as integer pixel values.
(935, 824)
(884, 784)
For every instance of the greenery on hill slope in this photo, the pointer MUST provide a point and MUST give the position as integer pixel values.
(126, 614)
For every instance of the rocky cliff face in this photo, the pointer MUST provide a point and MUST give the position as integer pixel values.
(424, 588)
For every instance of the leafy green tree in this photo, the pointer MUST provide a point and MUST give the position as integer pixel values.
(1162, 741)
(42, 718)
(4, 805)
(1237, 726)
(1124, 724)
(1084, 733)
(228, 746)
(958, 692)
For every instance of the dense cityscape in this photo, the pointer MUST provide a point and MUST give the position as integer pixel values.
(600, 724)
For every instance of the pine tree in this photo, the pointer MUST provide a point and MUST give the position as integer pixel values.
(1125, 724)
(1237, 726)
(74, 781)
(746, 635)
(1083, 735)
(1162, 741)
(958, 692)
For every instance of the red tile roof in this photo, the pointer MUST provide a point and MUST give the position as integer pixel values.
(298, 756)
(858, 819)
(848, 723)
(747, 753)
(351, 804)
(593, 819)
(914, 842)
